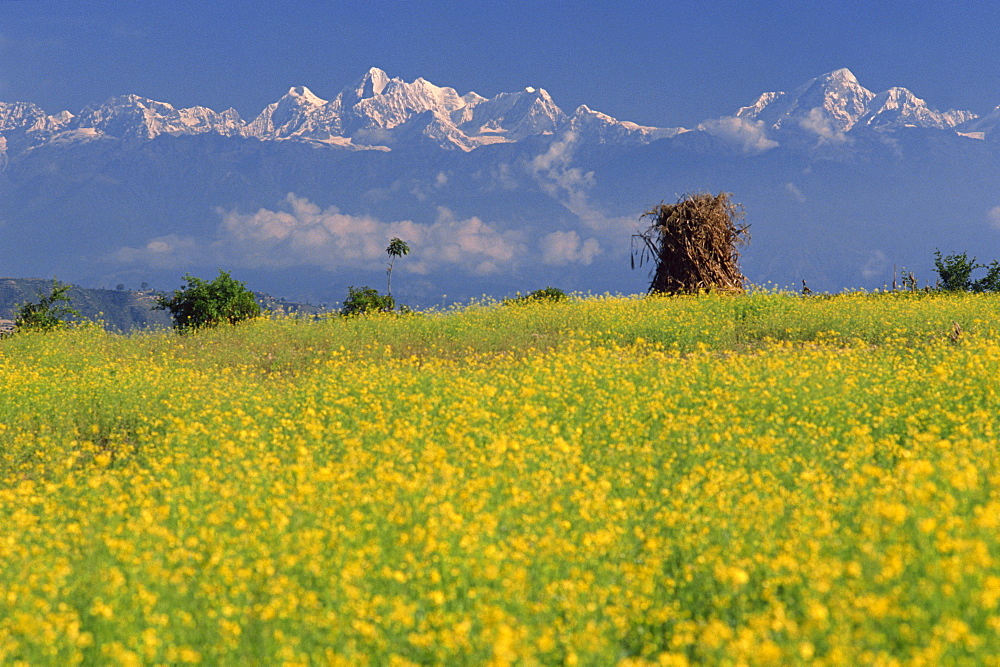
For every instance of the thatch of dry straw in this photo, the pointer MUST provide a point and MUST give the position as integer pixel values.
(695, 244)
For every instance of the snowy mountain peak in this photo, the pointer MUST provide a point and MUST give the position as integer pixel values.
(294, 115)
(898, 107)
(379, 103)
(137, 118)
(131, 117)
(595, 127)
(304, 96)
(19, 115)
(372, 83)
(832, 101)
(62, 117)
(512, 116)
(832, 104)
(754, 110)
(471, 99)
(23, 125)
(841, 77)
(379, 111)
(980, 127)
(895, 98)
(825, 105)
(197, 120)
(123, 103)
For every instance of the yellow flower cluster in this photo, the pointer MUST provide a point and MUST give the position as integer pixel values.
(803, 481)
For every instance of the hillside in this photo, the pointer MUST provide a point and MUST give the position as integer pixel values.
(119, 310)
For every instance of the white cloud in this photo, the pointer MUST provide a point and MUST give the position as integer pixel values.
(552, 171)
(571, 185)
(166, 252)
(421, 190)
(748, 136)
(470, 243)
(304, 234)
(794, 190)
(566, 247)
(993, 216)
(876, 264)
(373, 137)
(819, 123)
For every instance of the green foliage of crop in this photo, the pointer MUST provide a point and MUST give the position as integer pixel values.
(670, 480)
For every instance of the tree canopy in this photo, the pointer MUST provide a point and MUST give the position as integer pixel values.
(201, 303)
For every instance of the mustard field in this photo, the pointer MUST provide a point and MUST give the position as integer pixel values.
(764, 479)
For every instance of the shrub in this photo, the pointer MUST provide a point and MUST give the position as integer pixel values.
(364, 300)
(991, 282)
(544, 294)
(47, 313)
(201, 303)
(955, 273)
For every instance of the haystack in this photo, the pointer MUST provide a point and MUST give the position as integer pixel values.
(694, 244)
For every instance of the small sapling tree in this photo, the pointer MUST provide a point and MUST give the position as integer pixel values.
(397, 248)
(48, 313)
(201, 303)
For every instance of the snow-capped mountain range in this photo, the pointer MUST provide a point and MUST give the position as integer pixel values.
(494, 195)
(373, 113)
(379, 112)
(837, 102)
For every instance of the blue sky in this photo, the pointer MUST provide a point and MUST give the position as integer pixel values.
(657, 63)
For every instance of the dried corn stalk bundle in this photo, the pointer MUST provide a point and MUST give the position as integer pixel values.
(694, 244)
